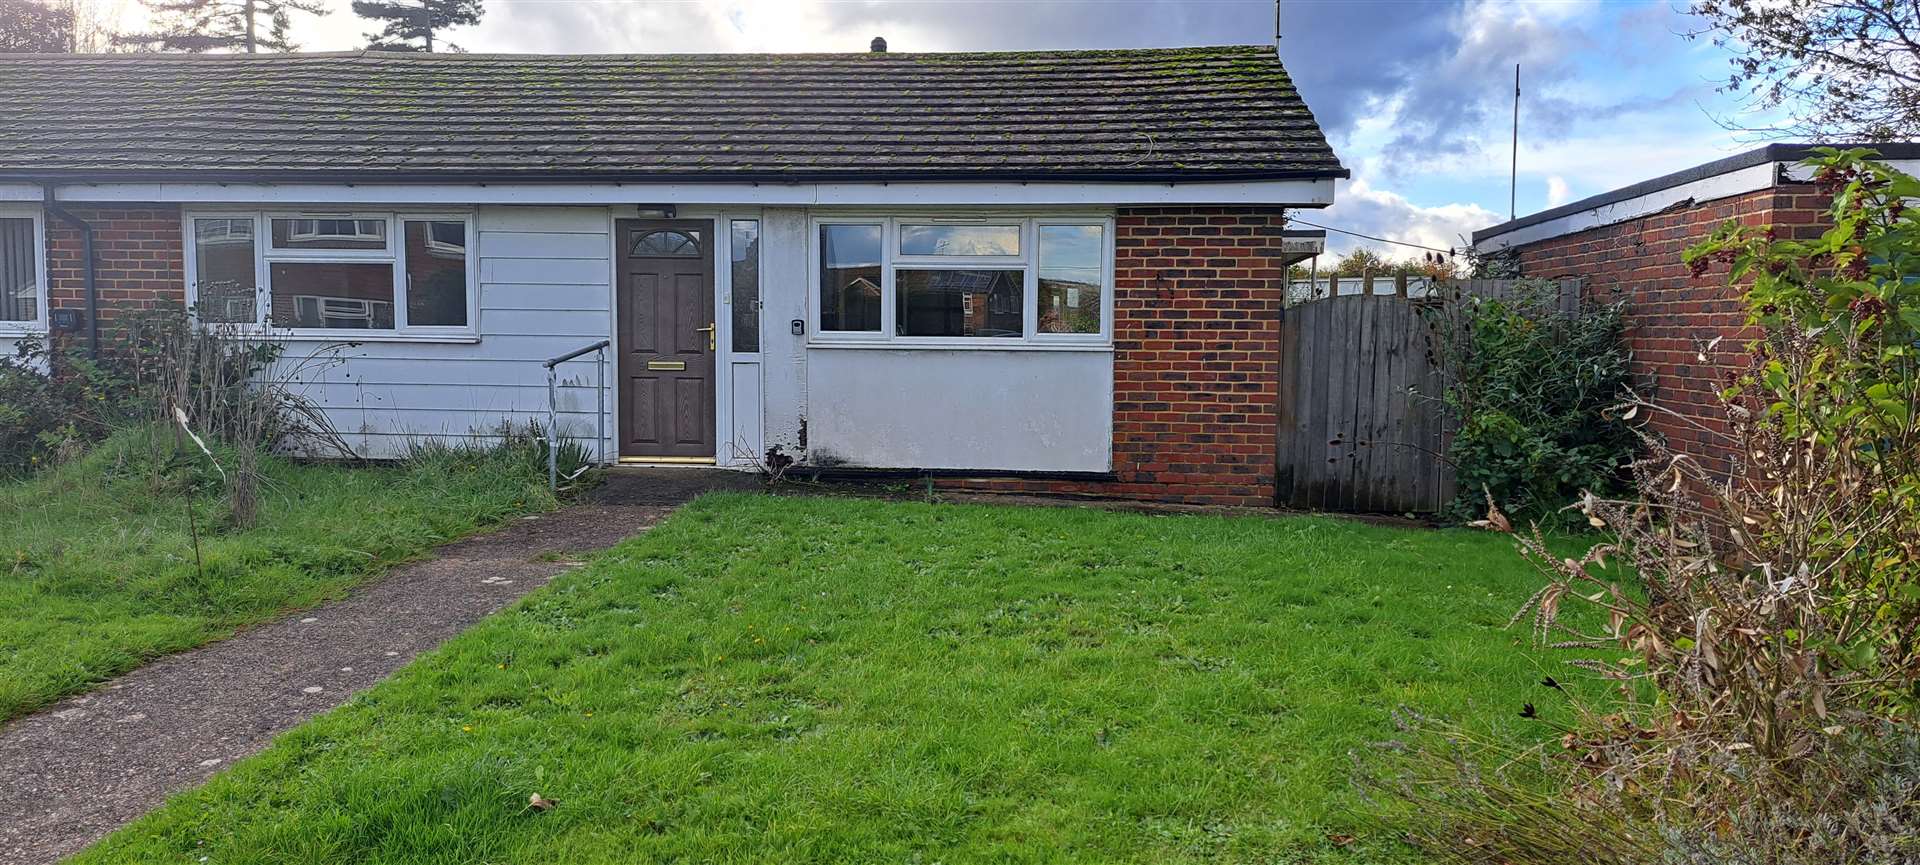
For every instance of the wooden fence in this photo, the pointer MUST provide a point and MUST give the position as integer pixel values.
(1362, 426)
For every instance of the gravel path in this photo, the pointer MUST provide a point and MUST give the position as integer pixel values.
(85, 766)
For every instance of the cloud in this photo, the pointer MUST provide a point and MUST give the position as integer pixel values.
(1557, 191)
(1360, 207)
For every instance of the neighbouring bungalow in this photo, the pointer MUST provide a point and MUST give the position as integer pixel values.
(1687, 332)
(1052, 271)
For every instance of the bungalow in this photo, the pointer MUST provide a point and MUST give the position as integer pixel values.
(1687, 332)
(1051, 270)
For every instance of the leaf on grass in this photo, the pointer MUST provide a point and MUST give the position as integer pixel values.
(537, 802)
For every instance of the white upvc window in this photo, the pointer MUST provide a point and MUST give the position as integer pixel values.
(23, 270)
(353, 275)
(942, 280)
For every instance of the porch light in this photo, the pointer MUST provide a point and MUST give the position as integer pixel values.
(654, 211)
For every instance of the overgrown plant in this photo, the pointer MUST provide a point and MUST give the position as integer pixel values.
(1756, 628)
(1529, 382)
(52, 404)
(231, 383)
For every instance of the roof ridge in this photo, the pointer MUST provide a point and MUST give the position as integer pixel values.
(372, 54)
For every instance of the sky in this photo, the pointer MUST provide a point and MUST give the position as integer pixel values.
(1416, 96)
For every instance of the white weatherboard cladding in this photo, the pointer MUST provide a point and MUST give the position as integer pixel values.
(960, 409)
(544, 290)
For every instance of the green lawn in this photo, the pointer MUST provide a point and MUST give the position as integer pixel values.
(785, 680)
(97, 569)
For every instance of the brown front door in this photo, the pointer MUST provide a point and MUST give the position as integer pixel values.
(666, 338)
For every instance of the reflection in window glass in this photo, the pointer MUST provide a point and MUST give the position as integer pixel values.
(959, 240)
(224, 290)
(332, 294)
(19, 271)
(746, 285)
(979, 303)
(850, 277)
(329, 233)
(436, 272)
(1070, 277)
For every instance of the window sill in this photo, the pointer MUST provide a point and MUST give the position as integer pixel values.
(1106, 347)
(365, 336)
(22, 328)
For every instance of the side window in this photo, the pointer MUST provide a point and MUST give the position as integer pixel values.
(436, 257)
(1072, 259)
(20, 290)
(746, 285)
(850, 277)
(225, 289)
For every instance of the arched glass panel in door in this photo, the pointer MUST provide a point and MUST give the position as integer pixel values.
(667, 243)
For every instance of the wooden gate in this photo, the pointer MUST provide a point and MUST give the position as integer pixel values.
(1362, 427)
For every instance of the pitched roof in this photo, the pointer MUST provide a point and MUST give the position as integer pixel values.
(1195, 114)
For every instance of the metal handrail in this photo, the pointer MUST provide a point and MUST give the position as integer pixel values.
(553, 407)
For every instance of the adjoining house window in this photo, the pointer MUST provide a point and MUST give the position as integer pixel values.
(986, 281)
(333, 272)
(850, 280)
(745, 281)
(1072, 263)
(21, 295)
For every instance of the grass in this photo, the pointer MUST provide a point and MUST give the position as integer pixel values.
(829, 680)
(98, 573)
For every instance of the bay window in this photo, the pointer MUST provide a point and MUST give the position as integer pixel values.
(980, 281)
(400, 273)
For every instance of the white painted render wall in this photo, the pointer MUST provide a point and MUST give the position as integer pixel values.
(961, 409)
(545, 290)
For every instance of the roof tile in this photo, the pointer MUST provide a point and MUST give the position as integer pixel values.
(1161, 114)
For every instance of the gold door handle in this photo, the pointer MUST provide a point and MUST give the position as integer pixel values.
(713, 338)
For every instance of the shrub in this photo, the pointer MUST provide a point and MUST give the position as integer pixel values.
(52, 404)
(1529, 385)
(1755, 630)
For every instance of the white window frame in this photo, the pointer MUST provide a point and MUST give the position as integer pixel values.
(356, 236)
(1028, 262)
(394, 255)
(38, 324)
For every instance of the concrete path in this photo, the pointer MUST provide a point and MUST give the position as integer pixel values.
(87, 765)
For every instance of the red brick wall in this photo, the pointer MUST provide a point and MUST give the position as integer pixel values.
(1198, 293)
(1671, 314)
(138, 255)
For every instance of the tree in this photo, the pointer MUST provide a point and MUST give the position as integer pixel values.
(411, 24)
(196, 26)
(1841, 69)
(32, 27)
